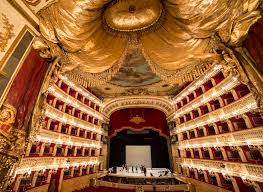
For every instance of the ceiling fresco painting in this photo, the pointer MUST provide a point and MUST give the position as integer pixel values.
(109, 90)
(135, 72)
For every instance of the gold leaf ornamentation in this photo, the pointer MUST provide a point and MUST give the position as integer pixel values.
(7, 34)
(137, 120)
(7, 115)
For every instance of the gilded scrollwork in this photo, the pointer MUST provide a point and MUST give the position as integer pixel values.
(7, 33)
(12, 142)
(7, 115)
(6, 163)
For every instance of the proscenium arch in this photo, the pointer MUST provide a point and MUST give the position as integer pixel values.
(155, 122)
(162, 104)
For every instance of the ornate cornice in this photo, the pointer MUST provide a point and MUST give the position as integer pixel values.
(162, 104)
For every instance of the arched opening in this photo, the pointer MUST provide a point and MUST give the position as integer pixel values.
(144, 128)
(147, 137)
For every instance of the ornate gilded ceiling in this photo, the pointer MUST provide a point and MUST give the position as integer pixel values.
(176, 39)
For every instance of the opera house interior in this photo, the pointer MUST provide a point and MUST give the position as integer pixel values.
(131, 95)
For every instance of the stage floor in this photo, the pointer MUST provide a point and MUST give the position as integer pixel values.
(151, 172)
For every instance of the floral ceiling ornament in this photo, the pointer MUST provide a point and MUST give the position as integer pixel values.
(7, 33)
(176, 37)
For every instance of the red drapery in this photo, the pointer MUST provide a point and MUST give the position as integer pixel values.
(26, 86)
(254, 44)
(152, 118)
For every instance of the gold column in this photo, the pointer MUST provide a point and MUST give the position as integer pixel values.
(235, 185)
(34, 179)
(17, 182)
(49, 175)
(218, 180)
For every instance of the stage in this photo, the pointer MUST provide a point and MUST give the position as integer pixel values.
(150, 172)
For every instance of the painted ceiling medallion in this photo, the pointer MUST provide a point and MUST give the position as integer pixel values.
(133, 15)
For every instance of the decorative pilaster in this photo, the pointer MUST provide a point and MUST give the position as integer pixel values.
(218, 179)
(11, 143)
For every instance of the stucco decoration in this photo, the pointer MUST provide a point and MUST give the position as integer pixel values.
(6, 33)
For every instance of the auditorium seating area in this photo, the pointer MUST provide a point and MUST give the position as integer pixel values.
(104, 189)
(109, 189)
(142, 181)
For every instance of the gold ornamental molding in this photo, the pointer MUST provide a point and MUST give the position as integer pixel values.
(162, 104)
(26, 12)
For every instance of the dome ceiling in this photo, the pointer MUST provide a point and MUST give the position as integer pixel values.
(174, 40)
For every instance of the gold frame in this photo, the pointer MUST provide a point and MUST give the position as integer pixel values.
(8, 54)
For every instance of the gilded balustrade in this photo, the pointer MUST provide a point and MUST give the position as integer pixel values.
(216, 68)
(226, 85)
(58, 138)
(81, 90)
(37, 164)
(252, 136)
(56, 114)
(241, 106)
(61, 95)
(248, 171)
